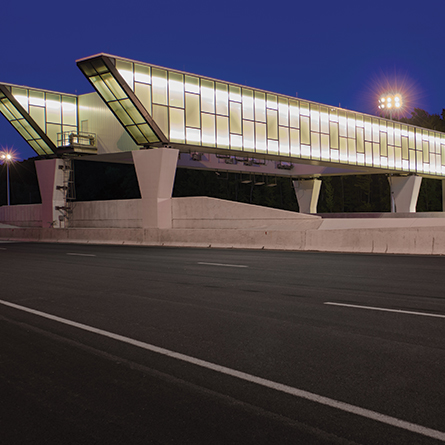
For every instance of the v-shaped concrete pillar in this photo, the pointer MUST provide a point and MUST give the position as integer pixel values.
(404, 192)
(50, 175)
(307, 193)
(155, 170)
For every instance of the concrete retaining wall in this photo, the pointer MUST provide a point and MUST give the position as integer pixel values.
(29, 215)
(420, 241)
(206, 222)
(107, 214)
(211, 213)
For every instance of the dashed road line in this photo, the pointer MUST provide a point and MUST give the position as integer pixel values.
(221, 264)
(372, 308)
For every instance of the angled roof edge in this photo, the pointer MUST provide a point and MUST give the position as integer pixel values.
(25, 115)
(39, 89)
(106, 59)
(214, 79)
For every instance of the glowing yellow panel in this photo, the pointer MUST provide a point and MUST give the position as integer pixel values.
(176, 90)
(315, 118)
(208, 129)
(260, 138)
(325, 149)
(324, 120)
(142, 74)
(294, 142)
(360, 140)
(272, 124)
(248, 135)
(125, 69)
(284, 141)
(283, 112)
(143, 93)
(207, 96)
(260, 107)
(160, 116)
(193, 136)
(159, 86)
(192, 110)
(248, 104)
(177, 125)
(305, 131)
(222, 99)
(234, 93)
(294, 114)
(315, 145)
(222, 132)
(235, 117)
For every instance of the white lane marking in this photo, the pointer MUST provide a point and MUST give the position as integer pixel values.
(399, 311)
(80, 254)
(2, 248)
(393, 421)
(224, 265)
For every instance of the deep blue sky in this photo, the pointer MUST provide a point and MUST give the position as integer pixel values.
(327, 51)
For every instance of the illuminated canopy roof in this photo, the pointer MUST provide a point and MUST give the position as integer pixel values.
(14, 105)
(121, 100)
(210, 115)
(158, 106)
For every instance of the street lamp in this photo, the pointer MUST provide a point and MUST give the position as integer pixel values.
(7, 157)
(391, 102)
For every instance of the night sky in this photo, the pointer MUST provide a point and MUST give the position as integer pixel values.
(333, 52)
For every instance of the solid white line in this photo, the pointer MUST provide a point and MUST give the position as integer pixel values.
(399, 311)
(393, 421)
(2, 248)
(224, 265)
(80, 254)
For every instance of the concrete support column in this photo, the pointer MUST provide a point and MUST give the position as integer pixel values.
(404, 193)
(443, 195)
(155, 170)
(50, 176)
(307, 194)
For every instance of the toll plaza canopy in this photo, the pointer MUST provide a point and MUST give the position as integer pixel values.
(158, 107)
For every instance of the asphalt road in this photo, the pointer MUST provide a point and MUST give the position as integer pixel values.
(138, 345)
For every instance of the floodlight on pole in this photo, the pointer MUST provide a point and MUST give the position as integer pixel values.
(390, 102)
(7, 157)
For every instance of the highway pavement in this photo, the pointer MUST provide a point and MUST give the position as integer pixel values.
(150, 345)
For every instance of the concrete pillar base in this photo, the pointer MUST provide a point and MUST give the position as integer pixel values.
(443, 195)
(50, 176)
(307, 193)
(404, 193)
(155, 170)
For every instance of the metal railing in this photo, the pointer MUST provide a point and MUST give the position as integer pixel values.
(70, 139)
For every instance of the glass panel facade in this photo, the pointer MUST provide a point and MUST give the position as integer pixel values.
(150, 86)
(214, 113)
(46, 115)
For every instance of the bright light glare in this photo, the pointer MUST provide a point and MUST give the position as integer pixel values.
(390, 101)
(7, 155)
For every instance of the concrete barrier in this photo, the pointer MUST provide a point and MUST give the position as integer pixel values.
(28, 215)
(206, 222)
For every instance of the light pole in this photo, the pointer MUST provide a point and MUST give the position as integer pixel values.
(7, 158)
(390, 102)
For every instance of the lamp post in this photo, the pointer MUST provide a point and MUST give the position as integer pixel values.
(390, 102)
(7, 158)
